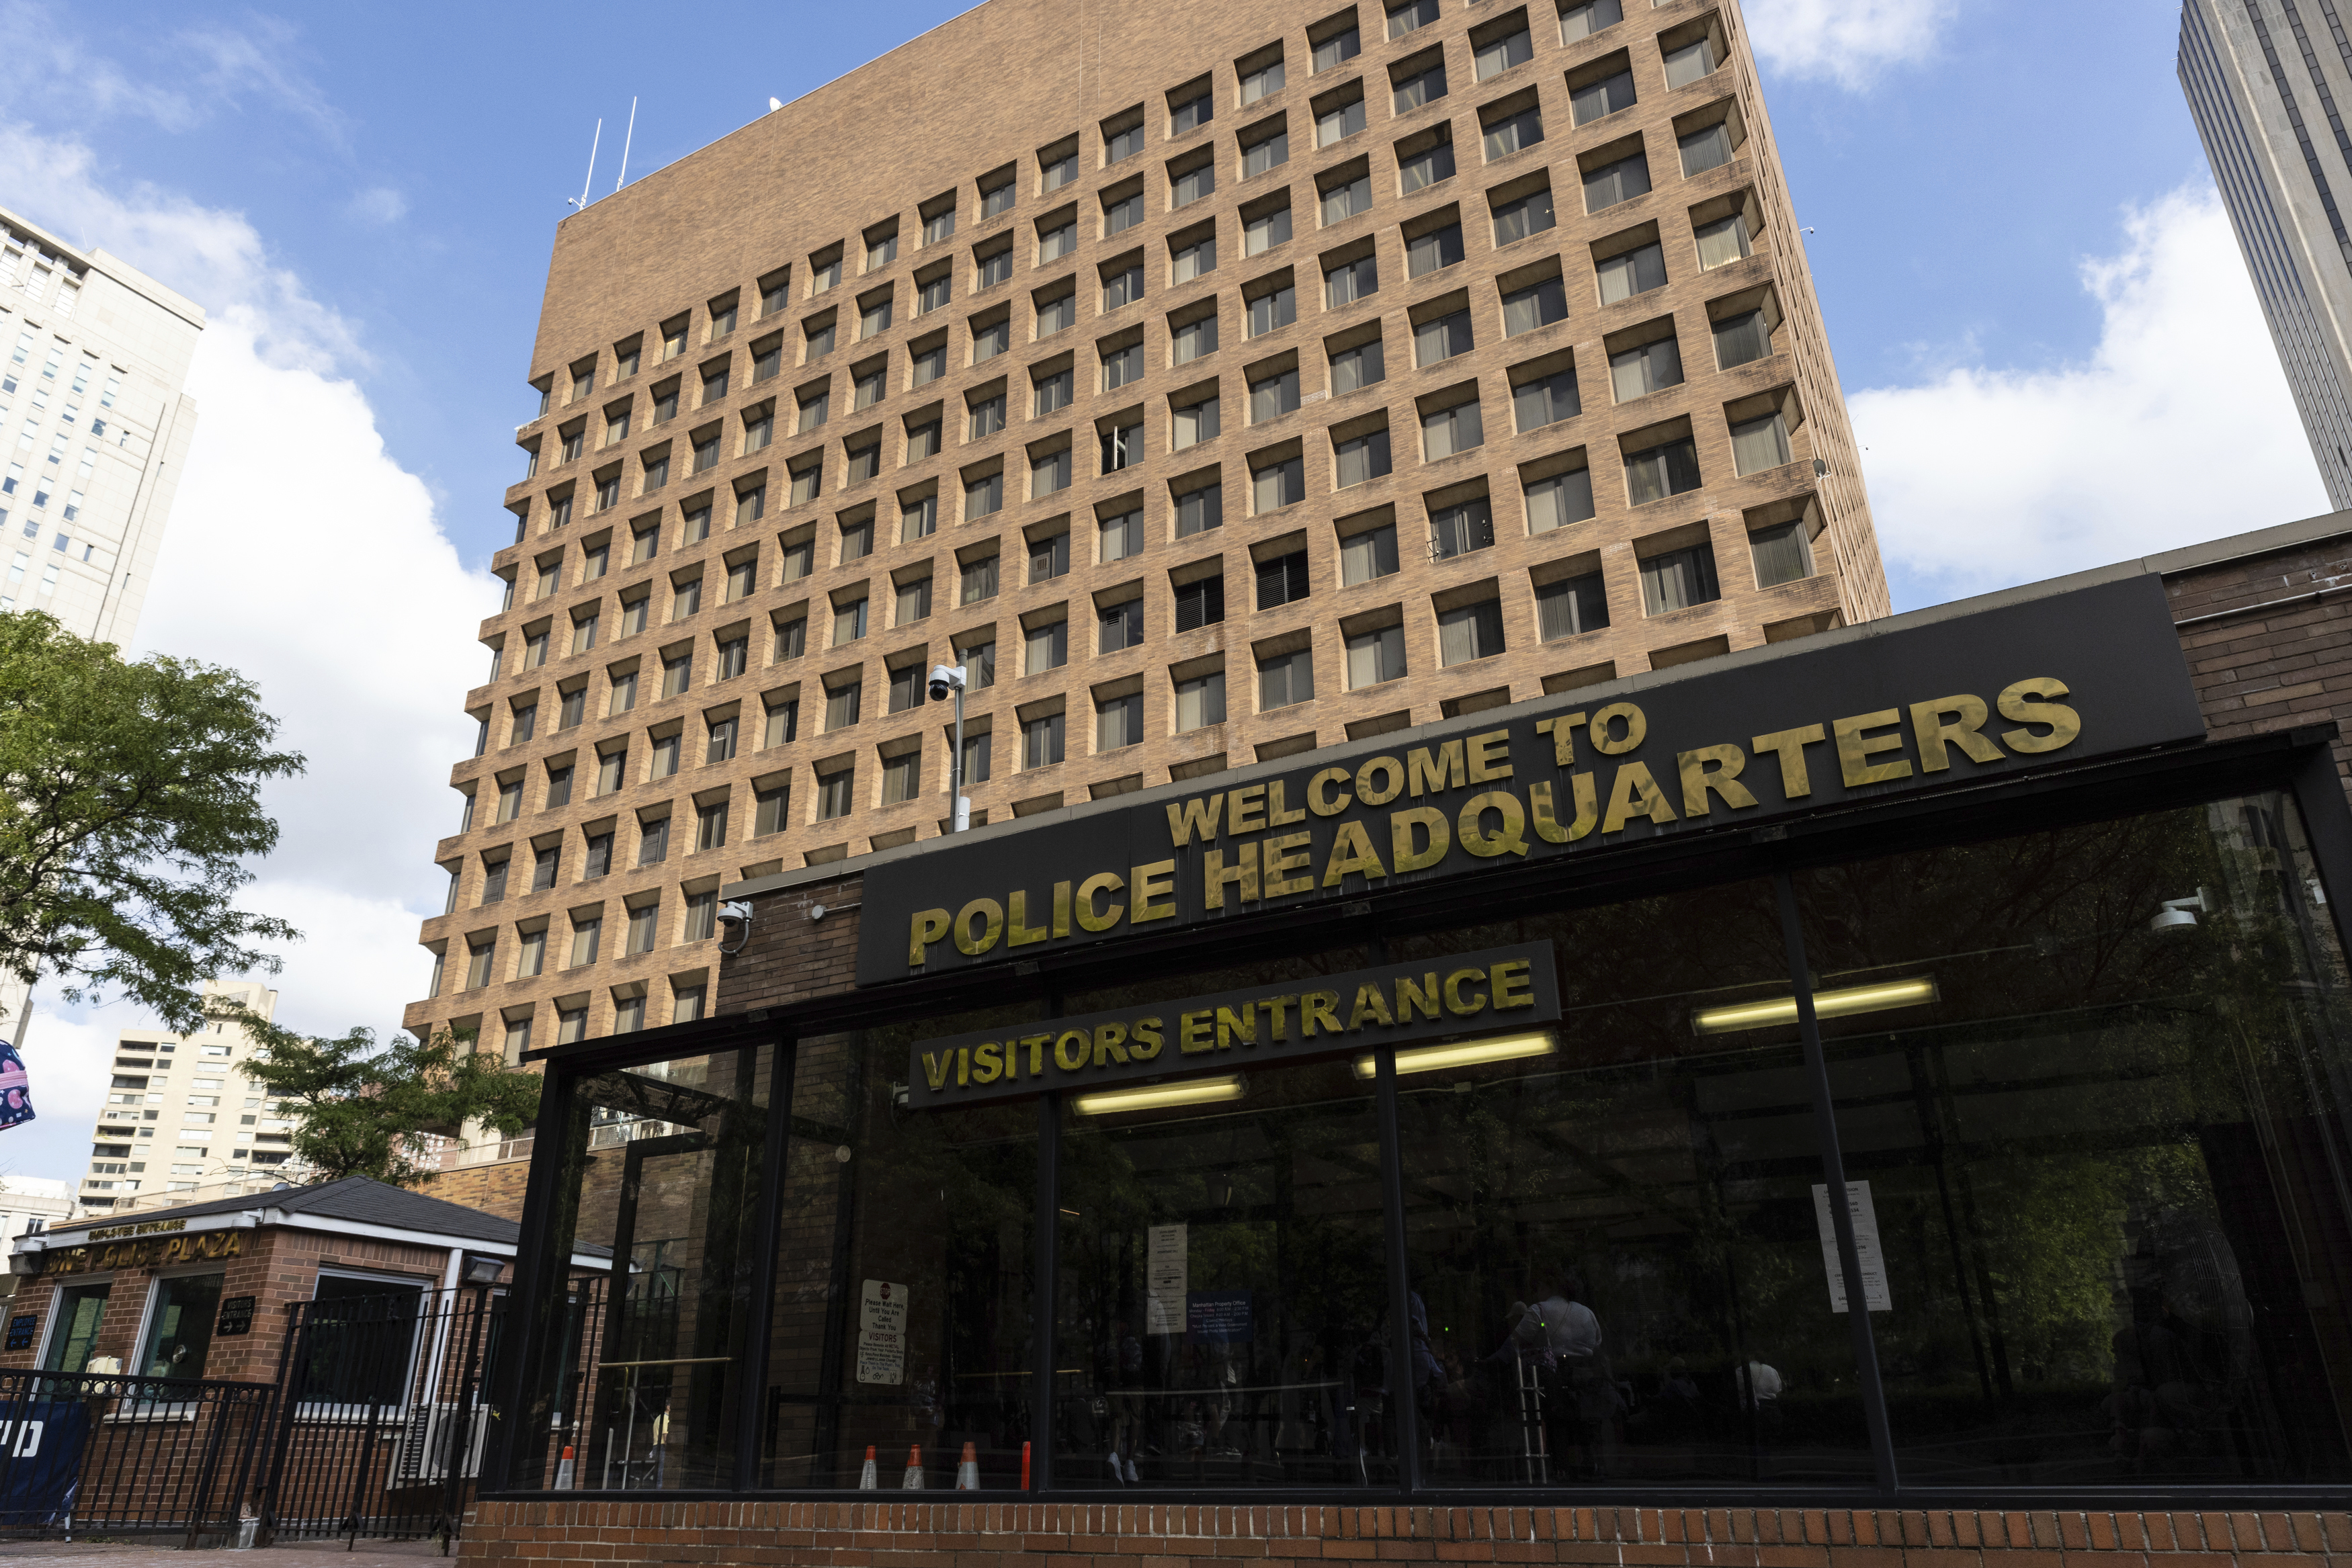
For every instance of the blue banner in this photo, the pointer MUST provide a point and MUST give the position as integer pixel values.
(41, 1442)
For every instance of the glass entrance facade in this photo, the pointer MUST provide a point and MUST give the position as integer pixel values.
(2086, 1090)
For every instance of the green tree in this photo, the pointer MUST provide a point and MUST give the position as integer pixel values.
(358, 1105)
(130, 799)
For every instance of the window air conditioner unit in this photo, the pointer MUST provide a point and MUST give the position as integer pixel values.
(428, 1441)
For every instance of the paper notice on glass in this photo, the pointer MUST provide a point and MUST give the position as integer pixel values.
(1874, 1294)
(882, 1333)
(1167, 1277)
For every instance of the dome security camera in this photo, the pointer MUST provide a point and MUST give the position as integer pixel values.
(2175, 914)
(945, 680)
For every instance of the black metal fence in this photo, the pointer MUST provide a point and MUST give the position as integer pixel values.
(128, 1456)
(382, 1416)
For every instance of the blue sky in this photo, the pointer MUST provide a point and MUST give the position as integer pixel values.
(2033, 300)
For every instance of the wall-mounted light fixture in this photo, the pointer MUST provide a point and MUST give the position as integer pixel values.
(1161, 1096)
(1836, 1004)
(1468, 1054)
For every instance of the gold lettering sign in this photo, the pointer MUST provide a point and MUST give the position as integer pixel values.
(152, 1252)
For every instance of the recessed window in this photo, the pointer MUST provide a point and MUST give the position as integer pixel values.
(1458, 530)
(1433, 251)
(1049, 557)
(1274, 309)
(1531, 214)
(1492, 59)
(914, 603)
(1200, 602)
(1056, 172)
(1049, 474)
(1361, 458)
(772, 812)
(1419, 171)
(1658, 472)
(1369, 554)
(849, 622)
(995, 268)
(1199, 181)
(1556, 501)
(1057, 241)
(1057, 315)
(1586, 17)
(1691, 62)
(1351, 281)
(1122, 213)
(1352, 370)
(1538, 305)
(1041, 740)
(1741, 339)
(1285, 679)
(1277, 484)
(1614, 182)
(1632, 272)
(1195, 338)
(918, 518)
(984, 497)
(1192, 113)
(1120, 536)
(1571, 606)
(1422, 88)
(979, 663)
(1268, 152)
(1264, 80)
(1201, 702)
(1123, 143)
(1195, 260)
(1193, 424)
(1723, 241)
(1597, 101)
(882, 250)
(1452, 431)
(1653, 367)
(1470, 631)
(1343, 202)
(1198, 511)
(1046, 647)
(1375, 656)
(842, 705)
(906, 687)
(834, 792)
(902, 777)
(1678, 579)
(1282, 581)
(929, 364)
(1122, 288)
(979, 580)
(1783, 554)
(1546, 399)
(1411, 16)
(1442, 338)
(1709, 147)
(1339, 121)
(1339, 48)
(1273, 396)
(1122, 447)
(1267, 230)
(1119, 627)
(1513, 133)
(1759, 443)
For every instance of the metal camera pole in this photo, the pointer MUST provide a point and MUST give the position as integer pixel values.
(951, 678)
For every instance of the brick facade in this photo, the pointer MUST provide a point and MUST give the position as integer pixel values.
(1070, 1535)
(494, 1188)
(697, 247)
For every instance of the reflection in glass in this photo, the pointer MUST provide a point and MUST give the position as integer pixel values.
(1615, 1267)
(2101, 1156)
(1222, 1311)
(635, 1369)
(930, 1216)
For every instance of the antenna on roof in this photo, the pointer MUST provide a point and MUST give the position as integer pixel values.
(774, 104)
(582, 202)
(631, 136)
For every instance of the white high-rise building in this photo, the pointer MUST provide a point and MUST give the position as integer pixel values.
(2267, 86)
(181, 1117)
(94, 431)
(93, 353)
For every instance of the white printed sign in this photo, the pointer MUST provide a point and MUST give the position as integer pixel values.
(1874, 1294)
(1167, 1277)
(882, 1333)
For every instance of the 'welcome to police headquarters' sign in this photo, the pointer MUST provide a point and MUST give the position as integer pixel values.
(2094, 671)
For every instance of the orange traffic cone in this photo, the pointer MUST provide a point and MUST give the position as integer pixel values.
(968, 1469)
(914, 1482)
(1024, 1466)
(867, 1480)
(564, 1470)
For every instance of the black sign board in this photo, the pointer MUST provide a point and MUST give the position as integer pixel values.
(235, 1316)
(1973, 694)
(21, 1330)
(1497, 991)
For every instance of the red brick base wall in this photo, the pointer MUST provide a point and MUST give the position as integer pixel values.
(1064, 1535)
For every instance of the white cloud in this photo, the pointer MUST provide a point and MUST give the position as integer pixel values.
(1985, 476)
(376, 206)
(299, 552)
(1849, 42)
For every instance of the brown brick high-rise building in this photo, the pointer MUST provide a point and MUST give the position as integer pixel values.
(1211, 382)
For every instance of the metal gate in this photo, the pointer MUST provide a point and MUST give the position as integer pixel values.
(126, 1456)
(383, 1415)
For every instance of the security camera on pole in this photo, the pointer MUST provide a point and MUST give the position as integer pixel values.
(947, 678)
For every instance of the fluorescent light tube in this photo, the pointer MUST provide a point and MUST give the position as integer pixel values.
(1468, 1054)
(1161, 1096)
(1826, 1004)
